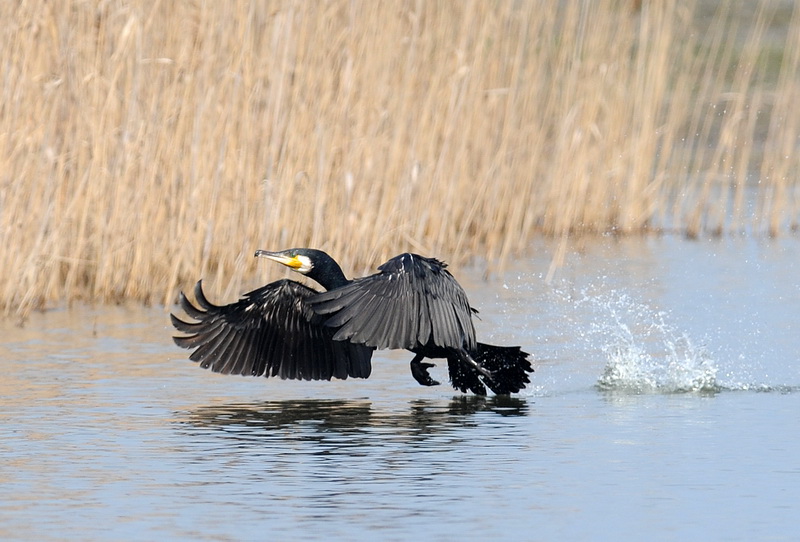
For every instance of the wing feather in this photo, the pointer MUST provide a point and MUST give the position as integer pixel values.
(270, 331)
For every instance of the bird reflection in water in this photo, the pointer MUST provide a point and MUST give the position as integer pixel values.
(347, 416)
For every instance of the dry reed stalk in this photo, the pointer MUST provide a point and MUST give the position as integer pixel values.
(694, 187)
(145, 145)
(781, 165)
(734, 142)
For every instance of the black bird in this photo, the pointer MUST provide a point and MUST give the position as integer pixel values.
(289, 330)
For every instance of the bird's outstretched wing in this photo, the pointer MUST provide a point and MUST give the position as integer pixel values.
(412, 302)
(270, 331)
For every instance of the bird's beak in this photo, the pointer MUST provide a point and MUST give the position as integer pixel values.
(280, 257)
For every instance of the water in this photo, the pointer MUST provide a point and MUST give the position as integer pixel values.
(665, 406)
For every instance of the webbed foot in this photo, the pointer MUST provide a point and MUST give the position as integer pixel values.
(419, 371)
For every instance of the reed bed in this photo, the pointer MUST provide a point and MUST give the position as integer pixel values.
(146, 144)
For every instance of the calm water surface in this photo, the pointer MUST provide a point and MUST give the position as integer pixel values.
(664, 406)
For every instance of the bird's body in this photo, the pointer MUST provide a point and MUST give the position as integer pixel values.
(412, 303)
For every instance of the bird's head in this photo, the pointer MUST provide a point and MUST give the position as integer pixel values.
(313, 263)
(301, 260)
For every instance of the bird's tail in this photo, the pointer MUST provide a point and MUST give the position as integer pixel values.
(509, 367)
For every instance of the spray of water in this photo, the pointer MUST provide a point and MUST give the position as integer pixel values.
(643, 352)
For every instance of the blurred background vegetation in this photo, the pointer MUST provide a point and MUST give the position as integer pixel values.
(144, 145)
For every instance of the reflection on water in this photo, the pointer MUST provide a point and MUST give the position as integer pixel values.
(319, 419)
(348, 415)
(391, 464)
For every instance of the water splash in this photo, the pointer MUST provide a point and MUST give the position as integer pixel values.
(682, 367)
(644, 353)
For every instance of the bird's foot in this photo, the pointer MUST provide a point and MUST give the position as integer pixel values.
(419, 371)
(467, 359)
(478, 367)
(484, 371)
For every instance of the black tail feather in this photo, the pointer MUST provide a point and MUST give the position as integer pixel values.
(509, 366)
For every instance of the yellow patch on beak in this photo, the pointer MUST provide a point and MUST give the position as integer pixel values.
(293, 262)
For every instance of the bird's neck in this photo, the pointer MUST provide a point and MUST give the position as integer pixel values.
(329, 276)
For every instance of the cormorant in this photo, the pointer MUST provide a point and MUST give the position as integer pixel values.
(289, 330)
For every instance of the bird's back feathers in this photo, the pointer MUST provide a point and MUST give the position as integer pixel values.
(413, 301)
